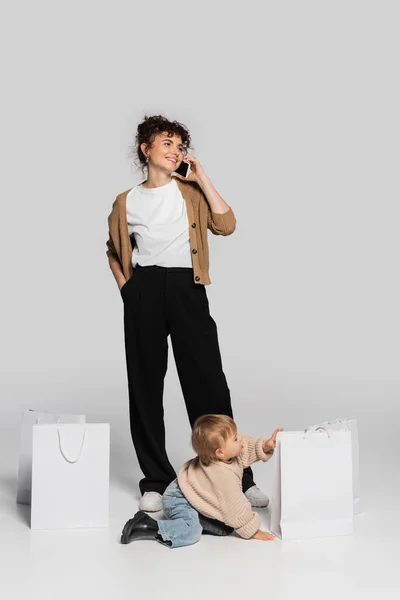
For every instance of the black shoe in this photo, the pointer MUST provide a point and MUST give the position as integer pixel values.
(140, 527)
(214, 527)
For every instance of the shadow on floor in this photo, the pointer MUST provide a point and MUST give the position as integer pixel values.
(8, 487)
(24, 514)
(8, 484)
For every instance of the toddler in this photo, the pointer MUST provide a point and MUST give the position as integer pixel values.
(207, 496)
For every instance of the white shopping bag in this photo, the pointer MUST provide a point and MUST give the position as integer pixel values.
(30, 418)
(70, 476)
(313, 494)
(348, 425)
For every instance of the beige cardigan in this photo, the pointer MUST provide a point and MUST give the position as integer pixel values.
(119, 244)
(216, 491)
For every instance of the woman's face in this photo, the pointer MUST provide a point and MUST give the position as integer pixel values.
(165, 153)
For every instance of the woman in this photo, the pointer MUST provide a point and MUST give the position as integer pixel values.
(158, 253)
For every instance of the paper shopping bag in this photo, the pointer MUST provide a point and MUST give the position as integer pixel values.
(313, 494)
(70, 476)
(30, 418)
(349, 425)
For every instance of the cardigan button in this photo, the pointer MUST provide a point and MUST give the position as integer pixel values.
(194, 251)
(197, 278)
(194, 225)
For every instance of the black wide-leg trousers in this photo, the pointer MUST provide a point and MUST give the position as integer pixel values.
(161, 302)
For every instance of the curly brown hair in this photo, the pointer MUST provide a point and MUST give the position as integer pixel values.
(151, 126)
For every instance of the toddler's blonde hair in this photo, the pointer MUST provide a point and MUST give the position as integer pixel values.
(210, 432)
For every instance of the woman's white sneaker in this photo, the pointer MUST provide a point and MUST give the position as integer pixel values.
(150, 502)
(256, 497)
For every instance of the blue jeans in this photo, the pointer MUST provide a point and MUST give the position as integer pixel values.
(182, 525)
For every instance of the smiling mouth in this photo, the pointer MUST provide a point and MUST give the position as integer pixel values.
(172, 160)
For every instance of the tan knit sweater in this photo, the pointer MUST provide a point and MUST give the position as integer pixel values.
(216, 491)
(200, 217)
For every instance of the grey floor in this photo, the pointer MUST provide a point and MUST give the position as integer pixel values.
(92, 564)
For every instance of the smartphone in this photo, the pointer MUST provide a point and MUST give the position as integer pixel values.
(183, 169)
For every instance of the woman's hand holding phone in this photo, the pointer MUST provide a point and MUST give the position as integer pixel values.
(195, 171)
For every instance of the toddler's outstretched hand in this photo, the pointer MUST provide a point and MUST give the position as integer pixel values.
(270, 444)
(263, 535)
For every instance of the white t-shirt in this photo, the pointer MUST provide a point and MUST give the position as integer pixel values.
(157, 217)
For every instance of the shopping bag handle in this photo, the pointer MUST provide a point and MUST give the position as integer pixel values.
(323, 429)
(38, 420)
(71, 462)
(316, 429)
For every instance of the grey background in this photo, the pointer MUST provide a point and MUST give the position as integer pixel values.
(293, 109)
